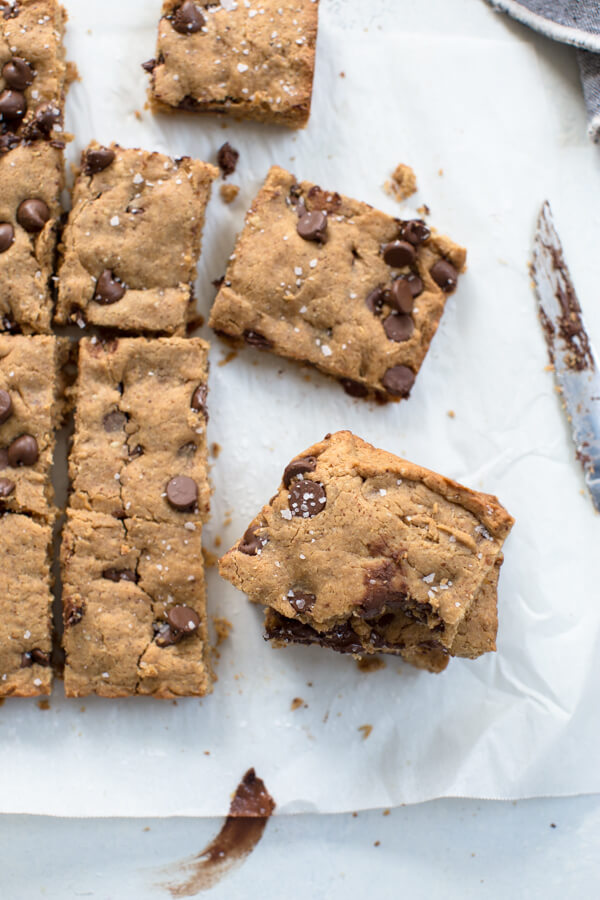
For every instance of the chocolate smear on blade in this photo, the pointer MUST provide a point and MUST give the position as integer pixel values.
(250, 809)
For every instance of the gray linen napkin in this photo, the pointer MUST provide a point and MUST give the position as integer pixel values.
(575, 22)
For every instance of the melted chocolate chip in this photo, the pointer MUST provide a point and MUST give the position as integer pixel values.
(227, 159)
(42, 124)
(301, 601)
(398, 381)
(445, 275)
(255, 339)
(136, 451)
(98, 159)
(312, 226)
(182, 492)
(399, 253)
(120, 575)
(342, 638)
(298, 467)
(306, 498)
(6, 488)
(32, 215)
(415, 231)
(13, 106)
(165, 635)
(23, 451)
(17, 73)
(149, 66)
(6, 406)
(37, 657)
(199, 398)
(251, 543)
(398, 327)
(385, 589)
(183, 619)
(109, 289)
(187, 19)
(73, 613)
(375, 301)
(114, 421)
(401, 296)
(354, 388)
(7, 236)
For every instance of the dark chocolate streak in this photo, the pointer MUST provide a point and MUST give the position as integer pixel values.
(570, 326)
(243, 828)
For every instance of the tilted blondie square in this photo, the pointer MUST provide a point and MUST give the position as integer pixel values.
(31, 179)
(139, 448)
(364, 552)
(133, 607)
(31, 409)
(25, 606)
(254, 59)
(320, 278)
(33, 71)
(132, 241)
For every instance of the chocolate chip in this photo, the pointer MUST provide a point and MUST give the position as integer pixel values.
(98, 159)
(375, 300)
(3, 459)
(73, 613)
(7, 236)
(23, 451)
(354, 388)
(17, 73)
(302, 601)
(187, 19)
(120, 575)
(199, 399)
(306, 498)
(401, 295)
(34, 656)
(109, 289)
(32, 215)
(13, 106)
(43, 123)
(149, 65)
(183, 619)
(6, 406)
(398, 327)
(398, 381)
(251, 543)
(312, 226)
(165, 636)
(298, 467)
(136, 451)
(114, 421)
(255, 339)
(6, 488)
(182, 492)
(399, 253)
(445, 275)
(227, 158)
(415, 231)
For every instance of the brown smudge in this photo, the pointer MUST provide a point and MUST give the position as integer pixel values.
(43, 704)
(365, 730)
(243, 828)
(370, 664)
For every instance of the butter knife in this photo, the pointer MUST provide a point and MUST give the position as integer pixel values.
(571, 353)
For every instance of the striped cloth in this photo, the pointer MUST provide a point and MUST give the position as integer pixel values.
(575, 22)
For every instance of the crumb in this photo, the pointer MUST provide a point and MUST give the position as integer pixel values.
(370, 663)
(215, 449)
(423, 210)
(138, 115)
(43, 704)
(342, 74)
(227, 521)
(82, 709)
(227, 159)
(451, 414)
(147, 828)
(223, 629)
(403, 183)
(297, 702)
(217, 282)
(227, 358)
(228, 192)
(549, 368)
(210, 558)
(366, 731)
(440, 172)
(218, 541)
(355, 815)
(377, 843)
(386, 812)
(552, 825)
(207, 752)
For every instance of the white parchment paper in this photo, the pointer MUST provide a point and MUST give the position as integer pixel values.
(480, 114)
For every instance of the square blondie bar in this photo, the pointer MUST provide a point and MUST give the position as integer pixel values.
(253, 59)
(31, 179)
(132, 241)
(363, 552)
(320, 278)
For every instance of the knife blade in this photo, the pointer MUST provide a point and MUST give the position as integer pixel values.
(571, 353)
